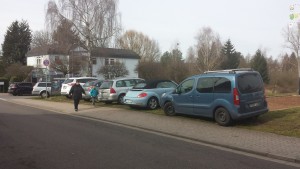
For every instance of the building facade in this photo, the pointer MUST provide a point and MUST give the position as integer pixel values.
(76, 63)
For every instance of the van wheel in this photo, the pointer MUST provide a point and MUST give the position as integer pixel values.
(121, 99)
(152, 103)
(222, 117)
(169, 109)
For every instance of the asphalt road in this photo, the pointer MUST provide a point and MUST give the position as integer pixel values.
(38, 139)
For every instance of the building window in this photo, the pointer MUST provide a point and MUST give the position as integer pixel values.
(110, 61)
(94, 61)
(38, 61)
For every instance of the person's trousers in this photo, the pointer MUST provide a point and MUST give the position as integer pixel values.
(76, 102)
(93, 100)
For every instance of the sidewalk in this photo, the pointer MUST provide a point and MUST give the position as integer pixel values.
(265, 144)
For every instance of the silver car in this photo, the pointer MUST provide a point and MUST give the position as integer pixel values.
(88, 86)
(40, 89)
(115, 90)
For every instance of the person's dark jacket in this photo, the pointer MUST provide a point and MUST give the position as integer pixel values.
(76, 91)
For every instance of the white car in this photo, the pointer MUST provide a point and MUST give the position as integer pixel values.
(68, 83)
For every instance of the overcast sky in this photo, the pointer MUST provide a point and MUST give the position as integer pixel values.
(251, 24)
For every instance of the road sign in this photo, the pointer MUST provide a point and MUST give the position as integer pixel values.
(46, 62)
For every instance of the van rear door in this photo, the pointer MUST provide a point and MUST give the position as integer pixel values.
(251, 92)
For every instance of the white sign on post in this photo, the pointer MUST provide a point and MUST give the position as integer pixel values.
(1, 83)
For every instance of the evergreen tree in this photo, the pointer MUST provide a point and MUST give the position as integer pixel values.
(259, 63)
(231, 58)
(16, 43)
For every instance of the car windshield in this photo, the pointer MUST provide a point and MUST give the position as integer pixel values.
(68, 81)
(90, 83)
(140, 86)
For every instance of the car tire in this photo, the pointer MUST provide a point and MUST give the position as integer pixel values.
(20, 93)
(169, 109)
(222, 117)
(121, 99)
(152, 103)
(44, 94)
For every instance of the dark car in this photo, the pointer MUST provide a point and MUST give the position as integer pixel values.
(20, 88)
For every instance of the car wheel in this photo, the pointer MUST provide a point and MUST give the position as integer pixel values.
(20, 93)
(222, 117)
(44, 95)
(169, 109)
(121, 99)
(152, 103)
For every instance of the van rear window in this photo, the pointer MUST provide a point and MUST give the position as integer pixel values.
(248, 83)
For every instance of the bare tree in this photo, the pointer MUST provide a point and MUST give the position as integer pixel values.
(41, 39)
(292, 40)
(191, 60)
(141, 44)
(65, 37)
(208, 49)
(112, 71)
(96, 21)
(71, 64)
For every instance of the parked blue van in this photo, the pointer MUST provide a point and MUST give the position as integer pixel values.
(225, 95)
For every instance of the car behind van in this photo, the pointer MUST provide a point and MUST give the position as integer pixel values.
(224, 95)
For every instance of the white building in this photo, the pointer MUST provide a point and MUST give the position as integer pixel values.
(100, 57)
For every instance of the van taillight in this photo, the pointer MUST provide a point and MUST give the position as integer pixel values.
(112, 90)
(236, 97)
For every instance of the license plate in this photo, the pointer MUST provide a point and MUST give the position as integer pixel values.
(128, 101)
(253, 105)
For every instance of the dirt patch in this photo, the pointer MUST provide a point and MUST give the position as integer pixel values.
(283, 102)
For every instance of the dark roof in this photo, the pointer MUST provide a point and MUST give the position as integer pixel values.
(43, 51)
(114, 53)
(96, 52)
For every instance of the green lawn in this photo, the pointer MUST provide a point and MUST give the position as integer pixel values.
(283, 122)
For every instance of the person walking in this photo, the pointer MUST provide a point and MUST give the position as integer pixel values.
(76, 92)
(94, 94)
